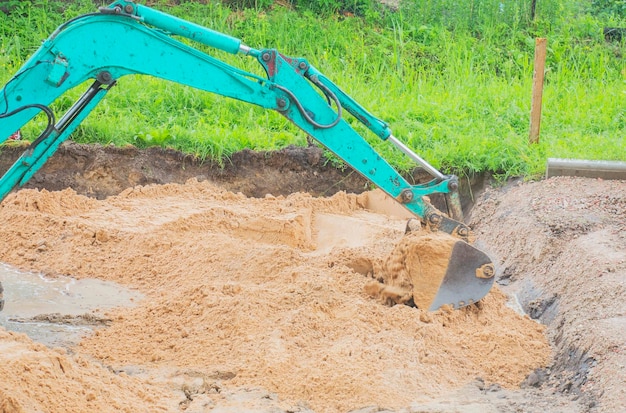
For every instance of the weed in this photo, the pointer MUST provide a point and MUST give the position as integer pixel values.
(453, 79)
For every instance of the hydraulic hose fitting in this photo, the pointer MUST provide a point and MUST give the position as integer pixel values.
(303, 66)
(463, 232)
(453, 185)
(281, 103)
(119, 7)
(434, 220)
(406, 196)
(105, 77)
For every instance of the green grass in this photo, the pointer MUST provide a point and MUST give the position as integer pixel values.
(455, 86)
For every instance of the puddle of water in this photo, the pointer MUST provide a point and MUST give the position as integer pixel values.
(27, 295)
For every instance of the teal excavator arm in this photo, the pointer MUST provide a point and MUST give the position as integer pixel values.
(128, 38)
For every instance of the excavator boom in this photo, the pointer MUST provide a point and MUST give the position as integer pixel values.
(127, 38)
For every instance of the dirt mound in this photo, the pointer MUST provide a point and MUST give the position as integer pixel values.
(243, 286)
(259, 303)
(561, 246)
(36, 378)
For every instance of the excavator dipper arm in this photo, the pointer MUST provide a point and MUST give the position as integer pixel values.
(126, 38)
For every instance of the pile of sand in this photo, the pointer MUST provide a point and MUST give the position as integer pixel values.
(34, 378)
(242, 293)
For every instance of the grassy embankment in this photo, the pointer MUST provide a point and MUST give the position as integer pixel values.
(454, 84)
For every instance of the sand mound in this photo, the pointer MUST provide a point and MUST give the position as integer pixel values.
(243, 293)
(35, 378)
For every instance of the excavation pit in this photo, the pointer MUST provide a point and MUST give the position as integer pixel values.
(257, 301)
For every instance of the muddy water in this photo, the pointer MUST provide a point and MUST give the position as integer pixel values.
(57, 311)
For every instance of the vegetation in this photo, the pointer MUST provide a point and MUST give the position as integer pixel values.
(453, 79)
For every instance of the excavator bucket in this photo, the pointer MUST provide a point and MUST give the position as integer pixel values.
(441, 270)
(462, 276)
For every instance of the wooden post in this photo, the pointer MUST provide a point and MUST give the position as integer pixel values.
(538, 75)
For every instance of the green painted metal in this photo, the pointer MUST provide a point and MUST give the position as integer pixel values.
(180, 27)
(341, 139)
(379, 127)
(117, 45)
(131, 39)
(34, 158)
